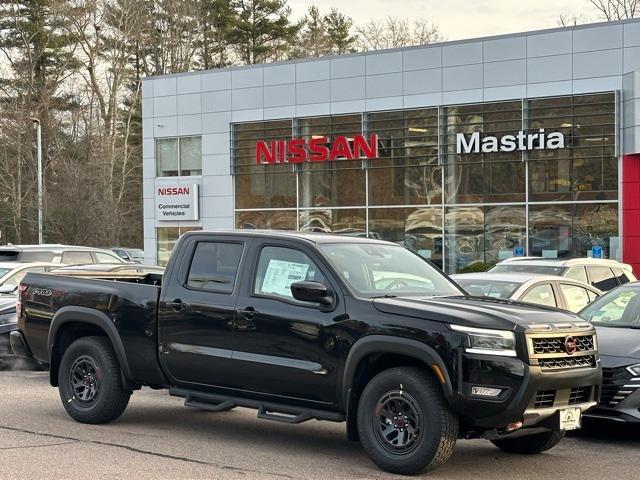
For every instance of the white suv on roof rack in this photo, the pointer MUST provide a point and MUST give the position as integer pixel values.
(601, 273)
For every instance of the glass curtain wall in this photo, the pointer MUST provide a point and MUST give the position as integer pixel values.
(462, 211)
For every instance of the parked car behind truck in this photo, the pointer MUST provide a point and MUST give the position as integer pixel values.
(312, 326)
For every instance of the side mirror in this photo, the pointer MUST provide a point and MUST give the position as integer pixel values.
(314, 292)
(8, 289)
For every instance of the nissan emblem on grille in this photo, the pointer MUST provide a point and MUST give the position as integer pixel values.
(570, 345)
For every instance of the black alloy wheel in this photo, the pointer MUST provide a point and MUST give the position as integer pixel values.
(84, 380)
(398, 420)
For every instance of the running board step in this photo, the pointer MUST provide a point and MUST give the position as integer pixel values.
(266, 411)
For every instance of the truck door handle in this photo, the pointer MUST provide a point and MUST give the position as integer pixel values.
(177, 305)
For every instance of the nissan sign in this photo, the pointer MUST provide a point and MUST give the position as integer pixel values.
(177, 202)
(316, 149)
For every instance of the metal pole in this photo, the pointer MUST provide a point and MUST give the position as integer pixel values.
(39, 140)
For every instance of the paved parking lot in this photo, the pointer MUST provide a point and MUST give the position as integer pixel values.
(159, 438)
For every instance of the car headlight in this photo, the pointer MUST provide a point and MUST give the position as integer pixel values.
(634, 370)
(489, 342)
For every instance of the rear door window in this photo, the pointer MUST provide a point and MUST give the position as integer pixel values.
(77, 258)
(575, 297)
(106, 258)
(214, 266)
(541, 295)
(37, 256)
(602, 278)
(577, 273)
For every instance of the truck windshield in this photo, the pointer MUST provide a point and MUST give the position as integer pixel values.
(377, 270)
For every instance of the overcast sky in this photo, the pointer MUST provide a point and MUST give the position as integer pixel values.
(459, 18)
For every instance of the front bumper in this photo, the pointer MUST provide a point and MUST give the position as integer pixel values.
(575, 388)
(620, 401)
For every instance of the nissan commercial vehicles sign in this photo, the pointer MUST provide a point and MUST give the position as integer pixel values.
(177, 202)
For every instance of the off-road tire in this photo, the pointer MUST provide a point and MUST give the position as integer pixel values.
(436, 441)
(111, 398)
(536, 443)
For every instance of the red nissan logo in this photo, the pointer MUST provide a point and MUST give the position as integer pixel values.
(570, 345)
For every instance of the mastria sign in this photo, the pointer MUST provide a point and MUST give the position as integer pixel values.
(318, 149)
(475, 143)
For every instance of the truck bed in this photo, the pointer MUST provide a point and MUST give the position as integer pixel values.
(128, 304)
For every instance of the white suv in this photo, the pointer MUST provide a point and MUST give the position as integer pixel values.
(603, 274)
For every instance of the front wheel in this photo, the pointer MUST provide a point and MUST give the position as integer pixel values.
(404, 422)
(530, 444)
(89, 381)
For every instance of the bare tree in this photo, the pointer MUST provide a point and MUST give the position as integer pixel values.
(612, 10)
(607, 10)
(393, 32)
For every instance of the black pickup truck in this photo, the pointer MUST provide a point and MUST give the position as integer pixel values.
(311, 326)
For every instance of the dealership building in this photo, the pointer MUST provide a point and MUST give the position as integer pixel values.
(468, 151)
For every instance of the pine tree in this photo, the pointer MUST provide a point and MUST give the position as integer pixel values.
(339, 32)
(262, 31)
(216, 20)
(314, 41)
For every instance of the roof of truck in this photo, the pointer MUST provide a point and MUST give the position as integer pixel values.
(314, 237)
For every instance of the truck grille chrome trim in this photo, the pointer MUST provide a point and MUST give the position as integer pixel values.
(562, 350)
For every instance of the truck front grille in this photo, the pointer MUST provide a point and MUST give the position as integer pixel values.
(545, 398)
(562, 398)
(579, 395)
(584, 343)
(617, 385)
(562, 351)
(559, 363)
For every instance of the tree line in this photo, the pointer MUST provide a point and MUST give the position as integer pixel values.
(76, 66)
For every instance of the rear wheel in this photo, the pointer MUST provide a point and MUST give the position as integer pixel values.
(536, 443)
(90, 383)
(404, 423)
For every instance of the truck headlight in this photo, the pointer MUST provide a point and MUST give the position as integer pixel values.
(634, 370)
(489, 342)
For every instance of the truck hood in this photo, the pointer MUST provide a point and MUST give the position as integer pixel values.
(619, 342)
(480, 312)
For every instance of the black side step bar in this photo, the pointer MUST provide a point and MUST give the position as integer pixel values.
(266, 411)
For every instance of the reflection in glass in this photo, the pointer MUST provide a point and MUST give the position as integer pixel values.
(265, 190)
(482, 235)
(350, 222)
(418, 229)
(409, 185)
(572, 230)
(269, 220)
(332, 188)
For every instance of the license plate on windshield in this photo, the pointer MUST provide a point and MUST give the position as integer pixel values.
(570, 418)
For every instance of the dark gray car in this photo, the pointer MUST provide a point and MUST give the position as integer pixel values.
(616, 317)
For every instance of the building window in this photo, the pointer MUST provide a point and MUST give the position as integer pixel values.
(166, 238)
(461, 210)
(180, 156)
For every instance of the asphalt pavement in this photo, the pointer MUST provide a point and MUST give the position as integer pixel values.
(159, 438)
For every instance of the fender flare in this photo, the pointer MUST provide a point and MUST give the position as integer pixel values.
(388, 344)
(93, 317)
